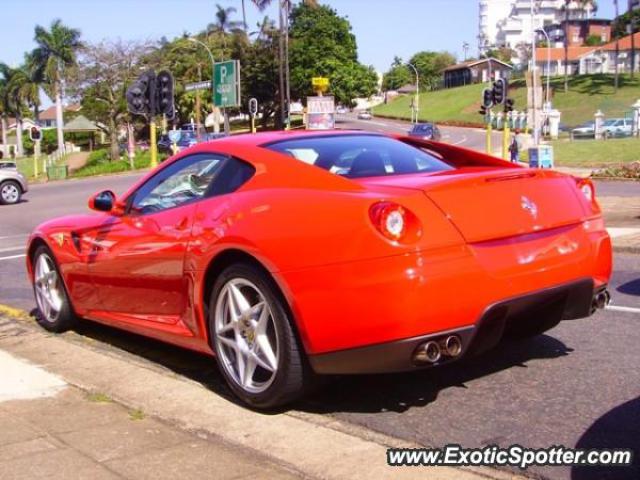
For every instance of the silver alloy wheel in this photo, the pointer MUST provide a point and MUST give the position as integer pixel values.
(10, 192)
(48, 287)
(246, 335)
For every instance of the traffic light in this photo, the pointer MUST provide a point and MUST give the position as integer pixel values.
(500, 87)
(487, 98)
(140, 95)
(508, 105)
(483, 110)
(35, 134)
(164, 91)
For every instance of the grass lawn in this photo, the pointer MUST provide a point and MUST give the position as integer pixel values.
(99, 164)
(26, 166)
(596, 153)
(586, 95)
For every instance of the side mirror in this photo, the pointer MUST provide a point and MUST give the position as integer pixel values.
(103, 201)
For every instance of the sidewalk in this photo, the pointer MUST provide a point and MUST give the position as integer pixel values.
(74, 434)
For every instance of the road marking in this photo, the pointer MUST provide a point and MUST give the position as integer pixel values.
(11, 249)
(11, 257)
(622, 232)
(464, 139)
(622, 309)
(21, 380)
(14, 236)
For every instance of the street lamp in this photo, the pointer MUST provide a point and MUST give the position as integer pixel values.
(213, 69)
(417, 99)
(544, 32)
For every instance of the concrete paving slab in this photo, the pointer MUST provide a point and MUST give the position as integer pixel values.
(192, 460)
(62, 464)
(26, 448)
(124, 438)
(15, 430)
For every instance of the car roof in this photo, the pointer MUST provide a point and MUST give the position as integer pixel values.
(265, 138)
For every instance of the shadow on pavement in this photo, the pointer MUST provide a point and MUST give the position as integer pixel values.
(618, 428)
(630, 288)
(357, 393)
(401, 391)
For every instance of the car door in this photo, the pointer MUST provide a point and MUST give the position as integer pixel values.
(137, 259)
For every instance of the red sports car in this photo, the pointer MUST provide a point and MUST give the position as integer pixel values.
(288, 255)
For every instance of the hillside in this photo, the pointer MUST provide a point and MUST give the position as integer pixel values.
(586, 95)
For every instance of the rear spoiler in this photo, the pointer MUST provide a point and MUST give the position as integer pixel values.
(458, 156)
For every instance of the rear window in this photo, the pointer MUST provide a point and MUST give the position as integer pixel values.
(422, 128)
(356, 156)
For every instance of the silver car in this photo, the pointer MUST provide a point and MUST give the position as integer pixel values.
(12, 183)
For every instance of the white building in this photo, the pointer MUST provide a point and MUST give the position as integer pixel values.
(508, 23)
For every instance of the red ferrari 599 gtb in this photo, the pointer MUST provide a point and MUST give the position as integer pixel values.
(290, 255)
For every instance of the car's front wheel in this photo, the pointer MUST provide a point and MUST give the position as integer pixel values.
(54, 309)
(254, 340)
(10, 192)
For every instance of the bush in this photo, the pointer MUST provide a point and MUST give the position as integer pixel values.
(98, 163)
(631, 171)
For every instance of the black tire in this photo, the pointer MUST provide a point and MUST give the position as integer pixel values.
(65, 318)
(15, 187)
(293, 376)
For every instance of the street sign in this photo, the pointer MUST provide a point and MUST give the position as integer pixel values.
(320, 113)
(174, 135)
(190, 87)
(226, 81)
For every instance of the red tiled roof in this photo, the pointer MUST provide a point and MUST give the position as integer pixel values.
(558, 53)
(50, 113)
(624, 43)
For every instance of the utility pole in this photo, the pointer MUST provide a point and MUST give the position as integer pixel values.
(282, 6)
(417, 96)
(534, 82)
(617, 79)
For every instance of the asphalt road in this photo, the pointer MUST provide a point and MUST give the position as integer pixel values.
(578, 385)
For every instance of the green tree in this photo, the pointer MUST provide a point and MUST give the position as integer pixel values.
(398, 75)
(51, 60)
(16, 95)
(504, 54)
(430, 66)
(322, 45)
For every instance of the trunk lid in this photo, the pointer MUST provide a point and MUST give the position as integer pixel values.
(487, 204)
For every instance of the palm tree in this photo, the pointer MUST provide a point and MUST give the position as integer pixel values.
(55, 54)
(223, 24)
(4, 111)
(284, 6)
(13, 82)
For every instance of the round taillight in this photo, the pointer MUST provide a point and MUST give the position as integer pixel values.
(587, 191)
(395, 222)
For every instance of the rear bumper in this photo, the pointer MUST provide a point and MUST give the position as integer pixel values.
(373, 302)
(542, 309)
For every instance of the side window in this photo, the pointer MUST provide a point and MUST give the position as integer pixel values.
(182, 182)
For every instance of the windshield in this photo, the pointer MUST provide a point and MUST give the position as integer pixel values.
(355, 156)
(425, 128)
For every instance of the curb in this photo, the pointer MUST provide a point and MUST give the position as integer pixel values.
(314, 445)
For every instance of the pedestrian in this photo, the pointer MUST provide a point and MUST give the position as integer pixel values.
(516, 146)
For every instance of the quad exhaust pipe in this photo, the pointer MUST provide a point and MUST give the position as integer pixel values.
(433, 350)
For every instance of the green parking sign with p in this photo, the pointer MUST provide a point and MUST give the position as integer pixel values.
(226, 81)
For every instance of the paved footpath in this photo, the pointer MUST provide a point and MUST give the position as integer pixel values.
(137, 420)
(55, 431)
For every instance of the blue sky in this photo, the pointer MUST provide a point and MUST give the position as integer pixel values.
(382, 28)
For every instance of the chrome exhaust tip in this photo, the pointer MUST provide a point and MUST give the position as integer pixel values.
(453, 346)
(602, 299)
(428, 353)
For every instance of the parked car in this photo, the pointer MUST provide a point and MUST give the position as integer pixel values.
(365, 115)
(617, 127)
(235, 250)
(13, 184)
(341, 110)
(585, 130)
(426, 131)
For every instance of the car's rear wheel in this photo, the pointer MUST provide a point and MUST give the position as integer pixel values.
(54, 310)
(10, 192)
(254, 340)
